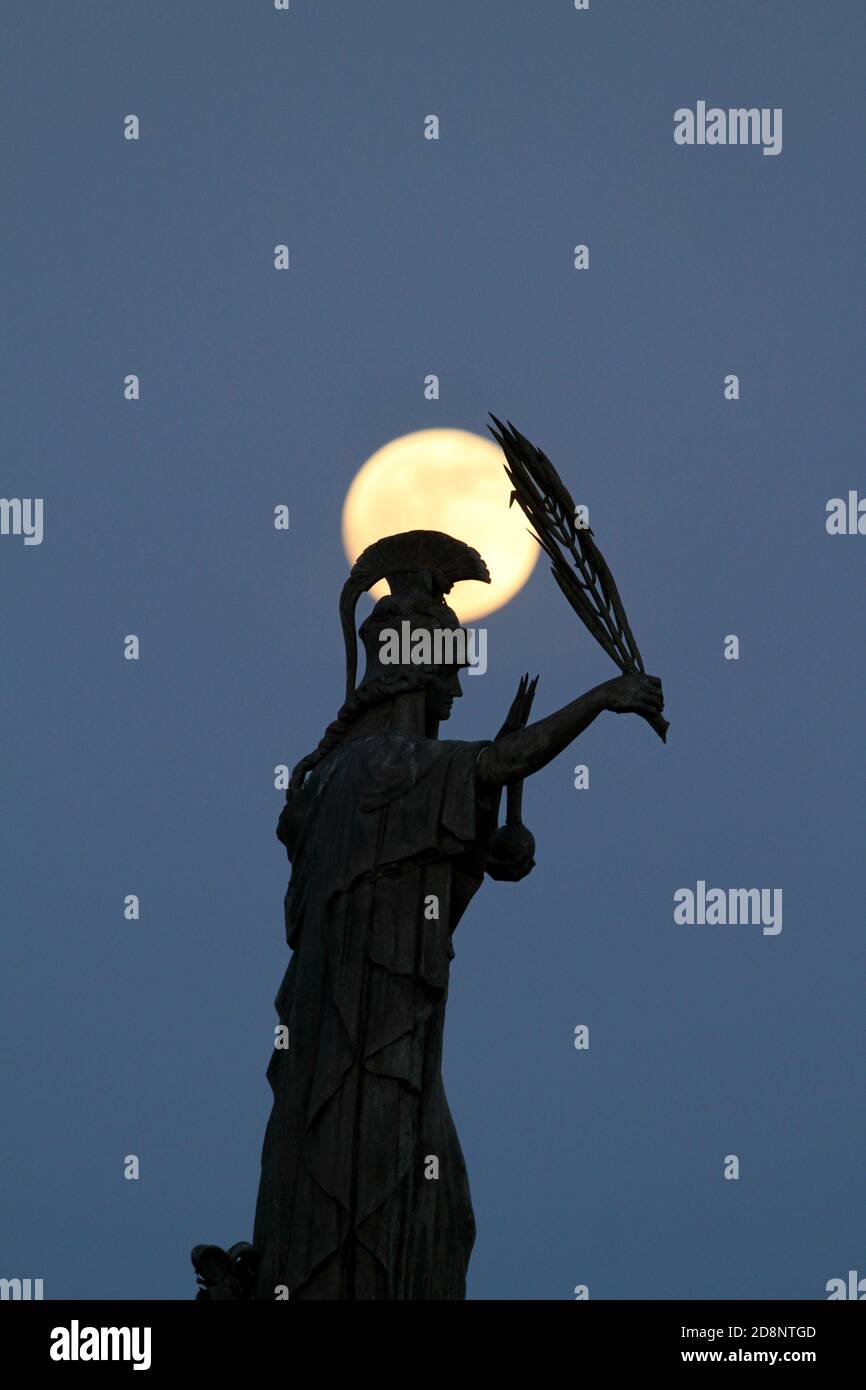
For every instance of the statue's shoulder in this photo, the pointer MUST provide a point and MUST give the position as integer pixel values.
(383, 761)
(389, 764)
(373, 769)
(393, 764)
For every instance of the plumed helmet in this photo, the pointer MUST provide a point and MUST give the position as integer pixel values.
(420, 568)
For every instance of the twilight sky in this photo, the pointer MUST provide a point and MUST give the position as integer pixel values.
(408, 257)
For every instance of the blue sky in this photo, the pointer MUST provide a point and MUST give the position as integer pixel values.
(408, 256)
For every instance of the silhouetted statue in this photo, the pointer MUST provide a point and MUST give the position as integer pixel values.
(389, 830)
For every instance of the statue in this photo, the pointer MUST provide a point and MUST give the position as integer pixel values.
(389, 830)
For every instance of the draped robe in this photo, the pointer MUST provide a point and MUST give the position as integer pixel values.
(388, 840)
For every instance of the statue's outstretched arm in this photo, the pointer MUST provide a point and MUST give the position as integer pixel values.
(525, 751)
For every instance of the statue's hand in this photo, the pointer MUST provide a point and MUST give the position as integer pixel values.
(634, 693)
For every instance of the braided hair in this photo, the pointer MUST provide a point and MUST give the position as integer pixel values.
(371, 693)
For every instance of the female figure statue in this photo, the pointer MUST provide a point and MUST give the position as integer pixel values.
(389, 829)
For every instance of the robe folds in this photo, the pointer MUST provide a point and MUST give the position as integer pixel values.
(388, 840)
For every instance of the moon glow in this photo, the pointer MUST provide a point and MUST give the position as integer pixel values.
(444, 480)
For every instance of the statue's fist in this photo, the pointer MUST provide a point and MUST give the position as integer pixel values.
(634, 693)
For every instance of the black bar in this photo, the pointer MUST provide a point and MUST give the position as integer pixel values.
(199, 1337)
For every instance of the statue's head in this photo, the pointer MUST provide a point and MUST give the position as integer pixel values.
(414, 643)
(412, 639)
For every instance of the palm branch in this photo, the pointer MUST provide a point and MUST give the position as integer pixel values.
(576, 562)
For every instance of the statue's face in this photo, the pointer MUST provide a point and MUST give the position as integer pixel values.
(442, 691)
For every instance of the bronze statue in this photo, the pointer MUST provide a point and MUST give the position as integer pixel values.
(389, 830)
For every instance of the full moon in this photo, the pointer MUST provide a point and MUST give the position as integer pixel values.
(451, 481)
